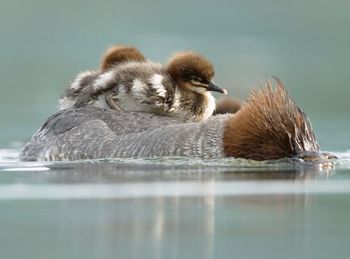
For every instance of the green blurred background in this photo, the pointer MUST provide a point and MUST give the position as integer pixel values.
(44, 44)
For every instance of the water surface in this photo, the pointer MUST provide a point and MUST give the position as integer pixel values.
(173, 208)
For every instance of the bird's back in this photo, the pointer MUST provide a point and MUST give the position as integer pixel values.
(89, 132)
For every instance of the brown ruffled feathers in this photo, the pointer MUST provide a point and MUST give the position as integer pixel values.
(269, 126)
(119, 54)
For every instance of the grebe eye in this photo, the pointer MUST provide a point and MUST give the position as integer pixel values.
(196, 78)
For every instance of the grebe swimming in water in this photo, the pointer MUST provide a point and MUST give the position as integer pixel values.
(268, 126)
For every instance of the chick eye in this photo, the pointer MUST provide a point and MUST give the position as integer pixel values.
(196, 78)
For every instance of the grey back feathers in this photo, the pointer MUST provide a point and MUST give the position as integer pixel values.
(89, 132)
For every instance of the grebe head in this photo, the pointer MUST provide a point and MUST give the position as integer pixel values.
(119, 54)
(193, 72)
(227, 105)
(271, 126)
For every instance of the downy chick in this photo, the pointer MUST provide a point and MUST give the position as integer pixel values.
(113, 56)
(193, 75)
(179, 89)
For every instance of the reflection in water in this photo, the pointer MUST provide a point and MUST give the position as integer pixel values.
(111, 172)
(177, 227)
(173, 209)
(143, 228)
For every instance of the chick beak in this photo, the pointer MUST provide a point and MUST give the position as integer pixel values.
(213, 87)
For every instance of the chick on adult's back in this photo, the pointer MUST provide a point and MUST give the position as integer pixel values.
(193, 76)
(180, 89)
(114, 56)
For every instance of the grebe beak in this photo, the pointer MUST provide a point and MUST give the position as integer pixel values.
(314, 156)
(213, 87)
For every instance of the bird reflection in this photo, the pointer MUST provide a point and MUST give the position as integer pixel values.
(188, 209)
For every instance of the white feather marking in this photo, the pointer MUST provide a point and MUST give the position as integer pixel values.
(156, 81)
(210, 106)
(65, 103)
(176, 102)
(139, 89)
(132, 101)
(103, 79)
(76, 84)
(198, 89)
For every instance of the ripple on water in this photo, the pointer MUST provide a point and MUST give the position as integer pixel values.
(9, 161)
(167, 176)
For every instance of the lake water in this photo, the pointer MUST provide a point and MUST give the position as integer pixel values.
(176, 208)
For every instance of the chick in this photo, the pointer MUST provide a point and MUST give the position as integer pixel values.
(180, 89)
(113, 56)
